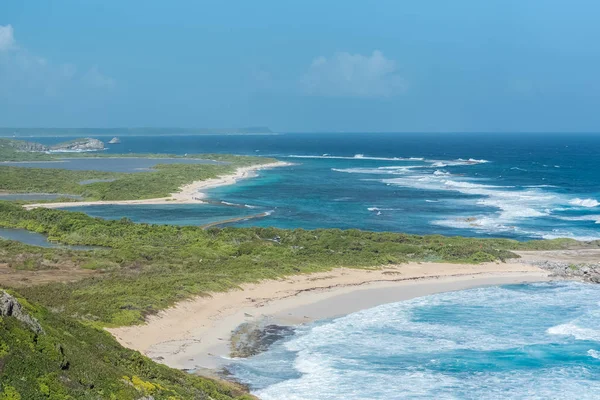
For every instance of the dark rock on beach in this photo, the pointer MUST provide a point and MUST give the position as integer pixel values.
(250, 339)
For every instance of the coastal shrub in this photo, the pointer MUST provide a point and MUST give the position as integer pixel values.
(71, 360)
(100, 265)
(161, 181)
(146, 268)
(9, 393)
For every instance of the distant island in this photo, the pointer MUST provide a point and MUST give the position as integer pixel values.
(112, 132)
(114, 140)
(77, 145)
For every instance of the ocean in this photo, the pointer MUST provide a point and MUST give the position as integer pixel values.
(533, 341)
(521, 186)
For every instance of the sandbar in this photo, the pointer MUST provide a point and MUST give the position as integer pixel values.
(188, 194)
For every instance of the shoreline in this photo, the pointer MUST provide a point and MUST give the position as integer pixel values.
(195, 334)
(188, 194)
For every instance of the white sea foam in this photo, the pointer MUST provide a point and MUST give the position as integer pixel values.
(559, 234)
(575, 331)
(513, 204)
(356, 157)
(456, 162)
(594, 354)
(588, 203)
(376, 171)
(593, 218)
(474, 161)
(382, 209)
(393, 170)
(416, 349)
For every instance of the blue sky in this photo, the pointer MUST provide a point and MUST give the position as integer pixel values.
(460, 65)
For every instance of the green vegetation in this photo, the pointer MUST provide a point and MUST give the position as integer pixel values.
(71, 360)
(17, 150)
(149, 267)
(144, 268)
(160, 182)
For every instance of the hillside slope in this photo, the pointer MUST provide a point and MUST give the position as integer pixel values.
(46, 356)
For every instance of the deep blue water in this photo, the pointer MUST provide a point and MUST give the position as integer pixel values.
(534, 341)
(515, 185)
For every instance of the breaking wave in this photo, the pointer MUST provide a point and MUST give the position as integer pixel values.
(457, 345)
(588, 203)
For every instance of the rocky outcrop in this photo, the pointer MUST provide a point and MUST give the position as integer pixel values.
(115, 140)
(10, 307)
(585, 272)
(85, 144)
(253, 338)
(21, 145)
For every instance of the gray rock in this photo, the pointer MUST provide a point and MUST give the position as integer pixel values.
(10, 307)
(585, 272)
(85, 144)
(251, 338)
(24, 146)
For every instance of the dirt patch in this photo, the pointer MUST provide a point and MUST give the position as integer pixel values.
(58, 273)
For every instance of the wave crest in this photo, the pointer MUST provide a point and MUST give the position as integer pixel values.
(588, 203)
(575, 331)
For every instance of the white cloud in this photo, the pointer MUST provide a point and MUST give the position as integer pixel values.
(354, 75)
(28, 76)
(7, 38)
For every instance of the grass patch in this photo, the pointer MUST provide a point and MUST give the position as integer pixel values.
(163, 180)
(150, 267)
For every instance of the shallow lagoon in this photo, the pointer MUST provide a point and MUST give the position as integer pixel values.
(177, 214)
(37, 239)
(117, 164)
(36, 196)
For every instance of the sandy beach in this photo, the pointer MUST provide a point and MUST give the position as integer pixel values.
(195, 334)
(188, 194)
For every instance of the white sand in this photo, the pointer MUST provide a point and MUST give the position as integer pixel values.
(188, 194)
(195, 334)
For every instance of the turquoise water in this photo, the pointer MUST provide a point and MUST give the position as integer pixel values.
(523, 186)
(533, 341)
